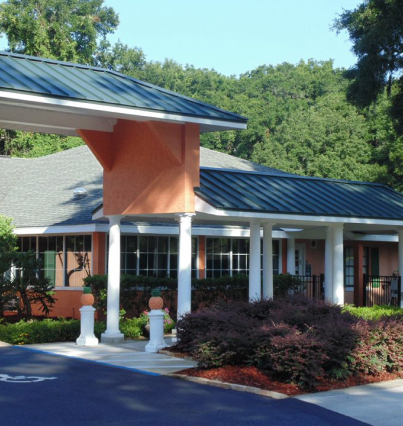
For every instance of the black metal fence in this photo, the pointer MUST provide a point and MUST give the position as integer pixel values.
(382, 290)
(311, 286)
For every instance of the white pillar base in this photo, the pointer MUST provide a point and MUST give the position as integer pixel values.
(112, 338)
(87, 336)
(156, 331)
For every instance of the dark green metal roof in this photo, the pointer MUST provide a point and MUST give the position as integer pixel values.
(297, 195)
(62, 80)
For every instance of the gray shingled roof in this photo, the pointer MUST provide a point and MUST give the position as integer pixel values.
(62, 80)
(39, 191)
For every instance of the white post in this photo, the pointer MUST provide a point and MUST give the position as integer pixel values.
(329, 264)
(338, 265)
(400, 264)
(185, 264)
(156, 331)
(112, 333)
(87, 336)
(267, 261)
(254, 262)
(291, 256)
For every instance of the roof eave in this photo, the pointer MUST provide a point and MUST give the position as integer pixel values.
(102, 110)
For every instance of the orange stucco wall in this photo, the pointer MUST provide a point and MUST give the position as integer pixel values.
(149, 167)
(98, 253)
(67, 304)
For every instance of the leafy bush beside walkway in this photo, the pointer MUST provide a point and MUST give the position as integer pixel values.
(293, 339)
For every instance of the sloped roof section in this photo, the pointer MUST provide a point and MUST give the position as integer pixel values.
(66, 81)
(39, 191)
(297, 195)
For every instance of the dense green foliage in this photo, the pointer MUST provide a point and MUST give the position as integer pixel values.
(136, 291)
(375, 312)
(300, 119)
(68, 30)
(292, 339)
(8, 240)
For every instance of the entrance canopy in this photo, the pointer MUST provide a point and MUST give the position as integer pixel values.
(47, 96)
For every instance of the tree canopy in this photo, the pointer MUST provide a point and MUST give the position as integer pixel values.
(68, 30)
(376, 29)
(300, 117)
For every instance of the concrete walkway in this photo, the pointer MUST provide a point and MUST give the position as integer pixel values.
(378, 404)
(129, 354)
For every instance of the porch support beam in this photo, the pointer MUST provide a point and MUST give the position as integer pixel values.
(112, 333)
(254, 261)
(185, 264)
(338, 269)
(400, 254)
(329, 264)
(291, 256)
(268, 261)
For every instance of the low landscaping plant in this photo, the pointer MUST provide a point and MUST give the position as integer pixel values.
(375, 312)
(292, 339)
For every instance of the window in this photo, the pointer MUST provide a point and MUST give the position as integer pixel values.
(218, 252)
(230, 256)
(153, 256)
(349, 268)
(50, 254)
(78, 259)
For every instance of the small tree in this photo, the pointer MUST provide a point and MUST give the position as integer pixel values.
(28, 288)
(8, 241)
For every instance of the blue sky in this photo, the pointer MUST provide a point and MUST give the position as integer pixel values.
(234, 36)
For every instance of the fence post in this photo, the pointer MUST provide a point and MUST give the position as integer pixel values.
(364, 290)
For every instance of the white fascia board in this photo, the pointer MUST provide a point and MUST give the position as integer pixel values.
(16, 116)
(62, 229)
(202, 206)
(104, 110)
(377, 238)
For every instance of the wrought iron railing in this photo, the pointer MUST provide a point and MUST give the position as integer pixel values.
(311, 286)
(382, 290)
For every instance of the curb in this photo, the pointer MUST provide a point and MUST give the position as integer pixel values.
(175, 355)
(232, 386)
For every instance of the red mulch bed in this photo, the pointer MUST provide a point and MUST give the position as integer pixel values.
(251, 376)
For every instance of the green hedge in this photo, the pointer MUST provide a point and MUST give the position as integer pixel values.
(61, 330)
(136, 290)
(375, 312)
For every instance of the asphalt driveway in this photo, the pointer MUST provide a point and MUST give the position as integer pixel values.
(42, 389)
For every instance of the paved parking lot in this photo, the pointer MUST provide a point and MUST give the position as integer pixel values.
(37, 388)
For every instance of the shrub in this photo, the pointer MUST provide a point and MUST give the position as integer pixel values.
(131, 328)
(292, 338)
(375, 312)
(295, 357)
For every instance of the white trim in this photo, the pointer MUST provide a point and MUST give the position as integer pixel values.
(41, 230)
(68, 288)
(80, 107)
(202, 206)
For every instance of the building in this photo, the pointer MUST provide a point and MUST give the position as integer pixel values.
(228, 214)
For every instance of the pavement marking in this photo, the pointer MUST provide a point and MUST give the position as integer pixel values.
(23, 379)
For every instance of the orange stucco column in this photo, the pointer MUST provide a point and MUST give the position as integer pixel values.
(202, 257)
(149, 167)
(284, 256)
(98, 253)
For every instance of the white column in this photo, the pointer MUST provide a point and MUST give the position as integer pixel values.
(112, 333)
(291, 256)
(267, 261)
(185, 264)
(400, 264)
(338, 265)
(329, 264)
(254, 262)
